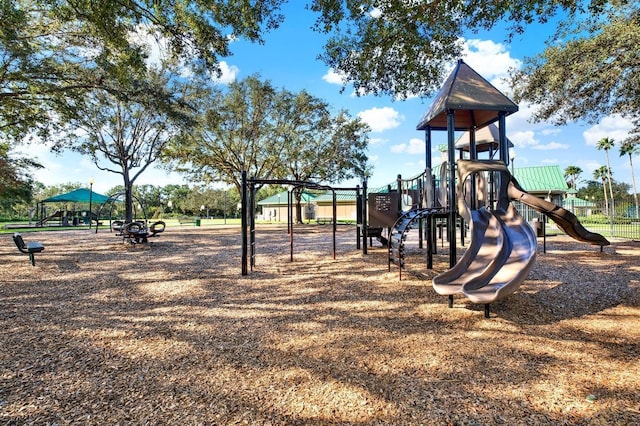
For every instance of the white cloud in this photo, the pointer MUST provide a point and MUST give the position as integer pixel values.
(155, 45)
(229, 73)
(415, 146)
(377, 141)
(157, 48)
(550, 131)
(381, 119)
(376, 12)
(491, 60)
(588, 167)
(551, 145)
(523, 138)
(360, 93)
(398, 149)
(613, 126)
(550, 161)
(520, 119)
(333, 77)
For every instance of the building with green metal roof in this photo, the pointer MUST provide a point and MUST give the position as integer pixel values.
(542, 181)
(275, 208)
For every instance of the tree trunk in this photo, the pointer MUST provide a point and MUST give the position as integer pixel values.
(613, 209)
(128, 197)
(128, 203)
(606, 198)
(635, 192)
(298, 195)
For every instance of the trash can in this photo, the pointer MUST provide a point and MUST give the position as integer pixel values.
(536, 224)
(197, 221)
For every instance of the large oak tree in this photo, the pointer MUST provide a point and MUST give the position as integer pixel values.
(404, 47)
(271, 134)
(126, 135)
(55, 50)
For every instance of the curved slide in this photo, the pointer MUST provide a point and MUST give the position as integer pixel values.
(501, 253)
(485, 251)
(503, 245)
(512, 270)
(502, 248)
(566, 220)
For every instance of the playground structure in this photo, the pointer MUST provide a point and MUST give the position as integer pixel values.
(72, 217)
(472, 192)
(68, 218)
(503, 245)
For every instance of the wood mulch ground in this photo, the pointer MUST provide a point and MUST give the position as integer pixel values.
(101, 332)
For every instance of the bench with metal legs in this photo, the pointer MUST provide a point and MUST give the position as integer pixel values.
(30, 248)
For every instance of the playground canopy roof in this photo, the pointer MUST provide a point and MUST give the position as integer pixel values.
(487, 139)
(474, 101)
(81, 195)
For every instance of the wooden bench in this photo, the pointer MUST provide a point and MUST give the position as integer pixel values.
(28, 248)
(186, 221)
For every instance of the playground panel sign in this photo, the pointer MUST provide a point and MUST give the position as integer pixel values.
(383, 209)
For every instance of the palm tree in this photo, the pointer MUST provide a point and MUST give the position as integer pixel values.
(572, 172)
(607, 144)
(629, 148)
(601, 174)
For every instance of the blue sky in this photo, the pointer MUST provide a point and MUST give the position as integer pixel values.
(288, 60)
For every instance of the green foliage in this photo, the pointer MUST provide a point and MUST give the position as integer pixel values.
(572, 172)
(594, 190)
(15, 183)
(589, 71)
(269, 190)
(126, 135)
(320, 147)
(404, 47)
(55, 51)
(270, 134)
(630, 147)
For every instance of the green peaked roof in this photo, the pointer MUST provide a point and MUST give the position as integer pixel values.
(541, 178)
(476, 103)
(282, 198)
(533, 179)
(340, 196)
(573, 202)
